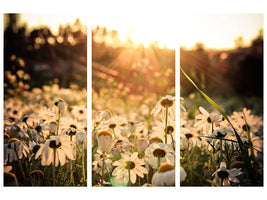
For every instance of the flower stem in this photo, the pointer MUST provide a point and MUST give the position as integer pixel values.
(83, 169)
(114, 133)
(54, 168)
(71, 168)
(158, 162)
(103, 170)
(29, 130)
(58, 121)
(129, 172)
(20, 167)
(166, 124)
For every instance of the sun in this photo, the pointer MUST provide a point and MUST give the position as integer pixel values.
(142, 29)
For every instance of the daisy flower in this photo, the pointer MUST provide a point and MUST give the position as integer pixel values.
(158, 153)
(98, 163)
(79, 112)
(159, 130)
(245, 121)
(165, 176)
(129, 167)
(63, 149)
(60, 104)
(105, 141)
(165, 102)
(80, 138)
(15, 150)
(224, 176)
(113, 126)
(205, 121)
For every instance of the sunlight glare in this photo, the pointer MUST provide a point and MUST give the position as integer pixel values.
(142, 29)
(51, 20)
(218, 30)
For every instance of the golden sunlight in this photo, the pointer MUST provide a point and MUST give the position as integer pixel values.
(218, 30)
(51, 20)
(142, 29)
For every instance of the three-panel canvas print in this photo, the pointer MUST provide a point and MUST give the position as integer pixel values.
(130, 105)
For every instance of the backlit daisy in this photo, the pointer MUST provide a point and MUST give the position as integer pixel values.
(129, 167)
(158, 153)
(105, 141)
(63, 149)
(165, 102)
(245, 121)
(59, 104)
(165, 176)
(15, 150)
(159, 130)
(98, 163)
(205, 121)
(223, 176)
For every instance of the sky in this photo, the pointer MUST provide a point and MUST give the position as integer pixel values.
(214, 30)
(218, 30)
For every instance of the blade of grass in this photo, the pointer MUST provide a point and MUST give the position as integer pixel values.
(244, 151)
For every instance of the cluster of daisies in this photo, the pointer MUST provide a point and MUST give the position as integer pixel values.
(212, 154)
(44, 145)
(127, 152)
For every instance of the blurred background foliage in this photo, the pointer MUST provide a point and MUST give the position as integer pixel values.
(38, 57)
(233, 77)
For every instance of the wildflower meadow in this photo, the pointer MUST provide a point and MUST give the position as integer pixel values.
(219, 148)
(45, 105)
(45, 138)
(133, 114)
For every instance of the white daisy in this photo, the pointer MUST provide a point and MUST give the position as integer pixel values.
(224, 176)
(158, 153)
(129, 167)
(205, 121)
(63, 149)
(162, 104)
(165, 176)
(15, 150)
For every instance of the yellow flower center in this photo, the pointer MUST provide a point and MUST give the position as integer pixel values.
(160, 153)
(246, 127)
(223, 174)
(129, 165)
(112, 126)
(169, 130)
(104, 133)
(166, 102)
(53, 144)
